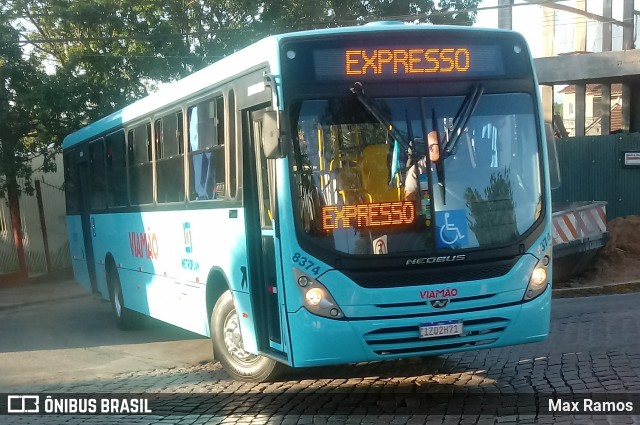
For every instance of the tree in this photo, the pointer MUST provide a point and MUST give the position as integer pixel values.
(108, 53)
(26, 125)
(493, 213)
(557, 108)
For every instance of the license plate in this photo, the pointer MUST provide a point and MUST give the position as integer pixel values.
(442, 328)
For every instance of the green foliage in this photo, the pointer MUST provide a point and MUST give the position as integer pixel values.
(107, 53)
(493, 212)
(111, 52)
(557, 108)
(27, 127)
(101, 55)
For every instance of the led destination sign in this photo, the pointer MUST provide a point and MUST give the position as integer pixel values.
(408, 62)
(378, 214)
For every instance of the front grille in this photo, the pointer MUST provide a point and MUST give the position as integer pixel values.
(378, 278)
(405, 339)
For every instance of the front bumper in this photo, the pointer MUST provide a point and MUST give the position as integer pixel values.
(318, 341)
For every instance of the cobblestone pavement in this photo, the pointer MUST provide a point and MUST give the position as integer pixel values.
(593, 351)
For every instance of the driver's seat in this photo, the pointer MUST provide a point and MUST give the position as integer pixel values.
(375, 175)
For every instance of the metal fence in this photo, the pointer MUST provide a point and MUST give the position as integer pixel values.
(601, 168)
(44, 231)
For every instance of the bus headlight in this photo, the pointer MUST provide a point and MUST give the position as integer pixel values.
(316, 297)
(539, 279)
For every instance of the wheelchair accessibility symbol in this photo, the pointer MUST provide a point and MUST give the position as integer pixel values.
(452, 229)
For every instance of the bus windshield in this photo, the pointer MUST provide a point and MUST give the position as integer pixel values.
(367, 184)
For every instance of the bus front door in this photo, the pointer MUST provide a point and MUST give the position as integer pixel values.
(259, 197)
(85, 216)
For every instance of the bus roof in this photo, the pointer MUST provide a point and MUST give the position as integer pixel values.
(389, 26)
(263, 51)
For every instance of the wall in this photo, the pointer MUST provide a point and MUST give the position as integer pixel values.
(53, 202)
(592, 168)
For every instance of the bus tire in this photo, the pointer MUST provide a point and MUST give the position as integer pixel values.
(125, 319)
(229, 350)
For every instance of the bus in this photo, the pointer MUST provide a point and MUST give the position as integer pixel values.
(326, 197)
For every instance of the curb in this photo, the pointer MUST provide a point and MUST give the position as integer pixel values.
(32, 303)
(615, 288)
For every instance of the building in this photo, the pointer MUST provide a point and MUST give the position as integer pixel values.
(593, 109)
(44, 234)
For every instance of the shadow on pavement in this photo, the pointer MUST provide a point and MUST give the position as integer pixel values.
(82, 322)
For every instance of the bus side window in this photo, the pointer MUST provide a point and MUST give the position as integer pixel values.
(116, 170)
(97, 175)
(70, 183)
(140, 167)
(206, 150)
(169, 158)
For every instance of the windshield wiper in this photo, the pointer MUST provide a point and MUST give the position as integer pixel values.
(461, 119)
(358, 91)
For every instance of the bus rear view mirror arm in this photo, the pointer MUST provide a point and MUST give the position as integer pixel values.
(271, 145)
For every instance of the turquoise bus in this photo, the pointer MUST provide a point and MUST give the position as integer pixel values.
(326, 197)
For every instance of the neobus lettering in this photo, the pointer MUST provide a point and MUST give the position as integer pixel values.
(432, 260)
(440, 293)
(144, 245)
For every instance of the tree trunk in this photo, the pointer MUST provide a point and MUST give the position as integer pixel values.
(14, 209)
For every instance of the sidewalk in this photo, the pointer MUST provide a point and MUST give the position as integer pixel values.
(39, 291)
(603, 289)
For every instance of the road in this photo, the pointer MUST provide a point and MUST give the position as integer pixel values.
(73, 346)
(76, 339)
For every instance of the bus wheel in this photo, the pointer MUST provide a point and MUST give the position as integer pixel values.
(125, 319)
(229, 349)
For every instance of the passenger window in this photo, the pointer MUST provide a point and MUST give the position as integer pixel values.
(206, 150)
(169, 158)
(97, 175)
(140, 167)
(116, 170)
(70, 183)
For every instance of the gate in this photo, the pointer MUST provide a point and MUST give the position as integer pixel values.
(44, 234)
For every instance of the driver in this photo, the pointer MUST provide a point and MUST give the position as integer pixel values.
(411, 184)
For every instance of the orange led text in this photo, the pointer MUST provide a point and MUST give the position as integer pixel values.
(368, 215)
(406, 61)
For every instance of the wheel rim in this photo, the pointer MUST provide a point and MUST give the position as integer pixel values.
(233, 340)
(116, 302)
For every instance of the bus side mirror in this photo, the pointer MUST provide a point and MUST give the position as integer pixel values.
(271, 136)
(552, 154)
